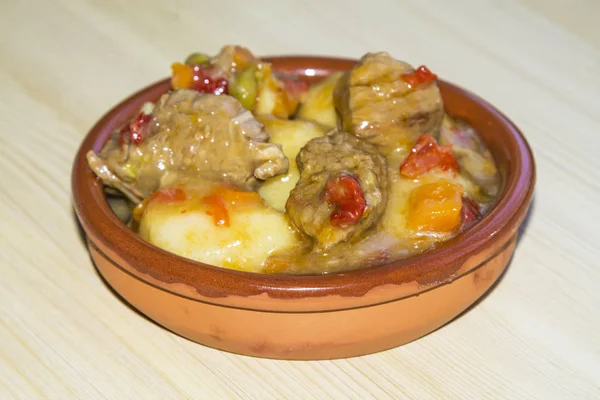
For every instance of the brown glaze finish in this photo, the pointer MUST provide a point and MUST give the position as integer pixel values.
(306, 336)
(274, 315)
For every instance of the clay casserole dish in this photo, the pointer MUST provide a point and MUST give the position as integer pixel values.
(310, 317)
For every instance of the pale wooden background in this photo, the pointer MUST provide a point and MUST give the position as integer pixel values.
(64, 335)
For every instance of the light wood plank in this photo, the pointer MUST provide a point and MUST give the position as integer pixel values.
(65, 335)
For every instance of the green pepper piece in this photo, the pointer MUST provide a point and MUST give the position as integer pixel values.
(244, 87)
(197, 59)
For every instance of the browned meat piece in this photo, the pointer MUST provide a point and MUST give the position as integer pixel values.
(192, 136)
(107, 177)
(376, 102)
(473, 156)
(342, 190)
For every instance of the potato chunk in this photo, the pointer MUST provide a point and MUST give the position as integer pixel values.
(318, 105)
(226, 227)
(292, 135)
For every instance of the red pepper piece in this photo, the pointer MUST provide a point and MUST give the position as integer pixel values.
(205, 82)
(426, 155)
(345, 193)
(420, 76)
(138, 128)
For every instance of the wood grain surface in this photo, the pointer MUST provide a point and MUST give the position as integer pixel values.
(65, 335)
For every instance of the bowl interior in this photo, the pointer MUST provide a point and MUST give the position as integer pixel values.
(127, 250)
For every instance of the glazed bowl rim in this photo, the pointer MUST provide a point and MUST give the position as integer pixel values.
(110, 235)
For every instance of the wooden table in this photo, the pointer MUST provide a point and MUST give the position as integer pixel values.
(65, 335)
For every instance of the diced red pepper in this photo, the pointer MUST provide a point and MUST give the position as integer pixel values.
(138, 128)
(420, 76)
(345, 193)
(217, 209)
(347, 213)
(426, 155)
(204, 82)
(169, 195)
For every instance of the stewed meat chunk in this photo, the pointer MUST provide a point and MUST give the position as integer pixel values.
(342, 190)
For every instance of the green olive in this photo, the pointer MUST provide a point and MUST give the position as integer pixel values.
(244, 87)
(197, 59)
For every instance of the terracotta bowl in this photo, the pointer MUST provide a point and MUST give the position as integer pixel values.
(310, 317)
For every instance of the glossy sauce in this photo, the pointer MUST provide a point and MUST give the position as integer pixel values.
(216, 187)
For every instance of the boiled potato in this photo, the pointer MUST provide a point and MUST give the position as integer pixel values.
(227, 228)
(398, 218)
(292, 135)
(318, 105)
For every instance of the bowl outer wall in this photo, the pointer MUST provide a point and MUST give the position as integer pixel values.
(307, 335)
(403, 278)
